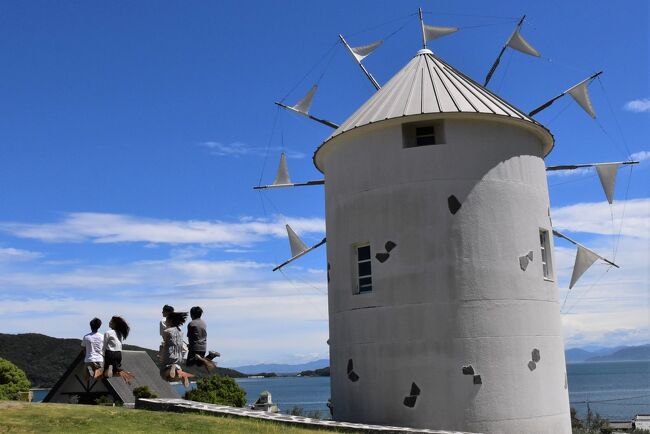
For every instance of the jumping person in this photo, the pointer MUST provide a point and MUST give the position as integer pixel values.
(93, 343)
(172, 349)
(197, 336)
(166, 310)
(118, 331)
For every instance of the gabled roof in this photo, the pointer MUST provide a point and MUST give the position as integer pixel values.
(138, 363)
(428, 85)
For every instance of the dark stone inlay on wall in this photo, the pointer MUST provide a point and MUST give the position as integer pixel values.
(382, 257)
(352, 376)
(532, 365)
(523, 262)
(409, 401)
(535, 355)
(390, 246)
(454, 204)
(329, 267)
(468, 370)
(477, 379)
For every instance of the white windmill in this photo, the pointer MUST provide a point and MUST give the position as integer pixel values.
(443, 302)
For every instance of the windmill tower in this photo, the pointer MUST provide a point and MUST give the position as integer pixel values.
(443, 301)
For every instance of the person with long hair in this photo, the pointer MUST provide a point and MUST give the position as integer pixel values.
(172, 349)
(118, 331)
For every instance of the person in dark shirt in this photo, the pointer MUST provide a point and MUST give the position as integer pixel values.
(197, 336)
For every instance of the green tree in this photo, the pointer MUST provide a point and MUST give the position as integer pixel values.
(218, 390)
(12, 380)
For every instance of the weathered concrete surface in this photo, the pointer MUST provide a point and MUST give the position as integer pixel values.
(183, 405)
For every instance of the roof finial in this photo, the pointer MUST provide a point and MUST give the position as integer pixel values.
(424, 37)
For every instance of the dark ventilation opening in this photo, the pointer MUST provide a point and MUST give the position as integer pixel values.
(422, 134)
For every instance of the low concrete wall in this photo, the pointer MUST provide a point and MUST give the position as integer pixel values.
(185, 406)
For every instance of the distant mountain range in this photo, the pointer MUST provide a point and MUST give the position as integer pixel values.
(44, 358)
(600, 354)
(279, 368)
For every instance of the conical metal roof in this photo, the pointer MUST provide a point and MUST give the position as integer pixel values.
(428, 85)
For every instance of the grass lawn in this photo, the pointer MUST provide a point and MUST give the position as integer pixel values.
(70, 418)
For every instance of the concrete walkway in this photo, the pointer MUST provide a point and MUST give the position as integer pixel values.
(183, 405)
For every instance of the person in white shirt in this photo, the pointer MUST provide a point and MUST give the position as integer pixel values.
(93, 343)
(172, 349)
(118, 331)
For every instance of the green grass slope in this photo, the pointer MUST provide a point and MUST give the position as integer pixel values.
(19, 417)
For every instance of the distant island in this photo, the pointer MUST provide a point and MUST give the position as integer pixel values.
(616, 354)
(323, 372)
(282, 369)
(44, 358)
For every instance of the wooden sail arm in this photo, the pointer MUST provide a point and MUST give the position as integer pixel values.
(297, 184)
(560, 235)
(552, 100)
(363, 68)
(322, 121)
(579, 166)
(503, 49)
(320, 243)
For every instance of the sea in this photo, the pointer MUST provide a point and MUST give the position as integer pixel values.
(616, 390)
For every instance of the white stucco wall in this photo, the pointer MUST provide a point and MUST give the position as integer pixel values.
(452, 292)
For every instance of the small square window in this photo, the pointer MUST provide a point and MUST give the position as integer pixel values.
(422, 134)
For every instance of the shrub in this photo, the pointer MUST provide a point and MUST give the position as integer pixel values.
(104, 400)
(12, 380)
(143, 392)
(218, 390)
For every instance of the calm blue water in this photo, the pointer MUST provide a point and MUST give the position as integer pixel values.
(616, 390)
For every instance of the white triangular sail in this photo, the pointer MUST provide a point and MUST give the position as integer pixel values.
(584, 259)
(607, 174)
(518, 43)
(304, 104)
(581, 95)
(297, 246)
(435, 32)
(364, 51)
(282, 177)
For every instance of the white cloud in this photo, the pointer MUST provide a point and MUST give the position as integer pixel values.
(638, 105)
(119, 228)
(237, 149)
(596, 218)
(239, 298)
(608, 306)
(640, 156)
(9, 254)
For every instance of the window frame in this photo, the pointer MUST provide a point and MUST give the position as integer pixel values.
(410, 133)
(360, 288)
(545, 254)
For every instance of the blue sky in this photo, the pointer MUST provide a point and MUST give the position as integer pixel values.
(131, 135)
